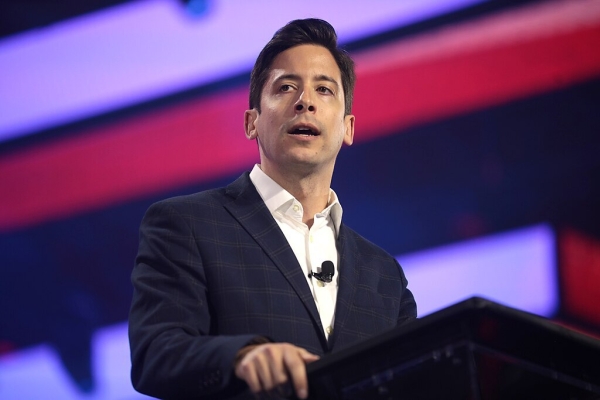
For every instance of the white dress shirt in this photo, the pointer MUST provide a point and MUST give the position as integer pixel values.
(311, 245)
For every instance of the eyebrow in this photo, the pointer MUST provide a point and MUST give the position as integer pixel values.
(295, 77)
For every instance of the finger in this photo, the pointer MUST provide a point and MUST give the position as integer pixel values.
(294, 363)
(261, 362)
(246, 371)
(255, 370)
(275, 359)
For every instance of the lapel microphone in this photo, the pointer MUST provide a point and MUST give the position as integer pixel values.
(326, 274)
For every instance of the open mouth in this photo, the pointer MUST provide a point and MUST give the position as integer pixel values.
(304, 130)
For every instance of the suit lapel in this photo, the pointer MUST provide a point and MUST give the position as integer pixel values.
(250, 211)
(349, 276)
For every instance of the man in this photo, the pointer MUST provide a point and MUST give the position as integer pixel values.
(231, 285)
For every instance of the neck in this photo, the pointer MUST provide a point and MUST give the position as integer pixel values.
(311, 190)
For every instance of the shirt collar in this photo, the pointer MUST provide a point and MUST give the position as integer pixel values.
(276, 197)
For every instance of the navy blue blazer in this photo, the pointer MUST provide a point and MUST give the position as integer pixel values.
(214, 272)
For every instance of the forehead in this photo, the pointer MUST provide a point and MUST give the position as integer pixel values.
(306, 61)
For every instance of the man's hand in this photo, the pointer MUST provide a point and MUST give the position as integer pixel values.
(270, 366)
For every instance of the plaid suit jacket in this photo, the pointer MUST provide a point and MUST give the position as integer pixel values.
(214, 272)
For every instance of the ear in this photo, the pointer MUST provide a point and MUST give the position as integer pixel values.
(250, 117)
(349, 133)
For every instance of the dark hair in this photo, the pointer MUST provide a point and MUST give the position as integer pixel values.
(297, 32)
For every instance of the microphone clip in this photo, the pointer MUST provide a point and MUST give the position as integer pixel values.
(326, 274)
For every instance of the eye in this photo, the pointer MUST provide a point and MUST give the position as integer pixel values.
(324, 89)
(285, 88)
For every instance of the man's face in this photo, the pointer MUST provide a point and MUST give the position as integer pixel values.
(301, 126)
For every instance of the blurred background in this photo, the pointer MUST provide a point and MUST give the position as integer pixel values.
(476, 161)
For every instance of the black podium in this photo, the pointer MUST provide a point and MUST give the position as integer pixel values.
(476, 349)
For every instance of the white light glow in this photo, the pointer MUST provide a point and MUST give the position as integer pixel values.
(37, 373)
(516, 268)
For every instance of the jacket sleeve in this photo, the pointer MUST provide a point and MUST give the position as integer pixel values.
(408, 306)
(175, 351)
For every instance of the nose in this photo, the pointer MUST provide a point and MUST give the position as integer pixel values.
(304, 103)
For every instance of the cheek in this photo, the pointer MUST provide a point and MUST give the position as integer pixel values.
(262, 121)
(267, 126)
(340, 128)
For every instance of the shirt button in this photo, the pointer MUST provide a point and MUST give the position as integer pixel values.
(311, 238)
(329, 330)
(296, 207)
(320, 283)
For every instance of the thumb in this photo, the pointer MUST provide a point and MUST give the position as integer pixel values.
(307, 356)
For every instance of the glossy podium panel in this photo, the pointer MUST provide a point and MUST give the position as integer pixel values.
(476, 349)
